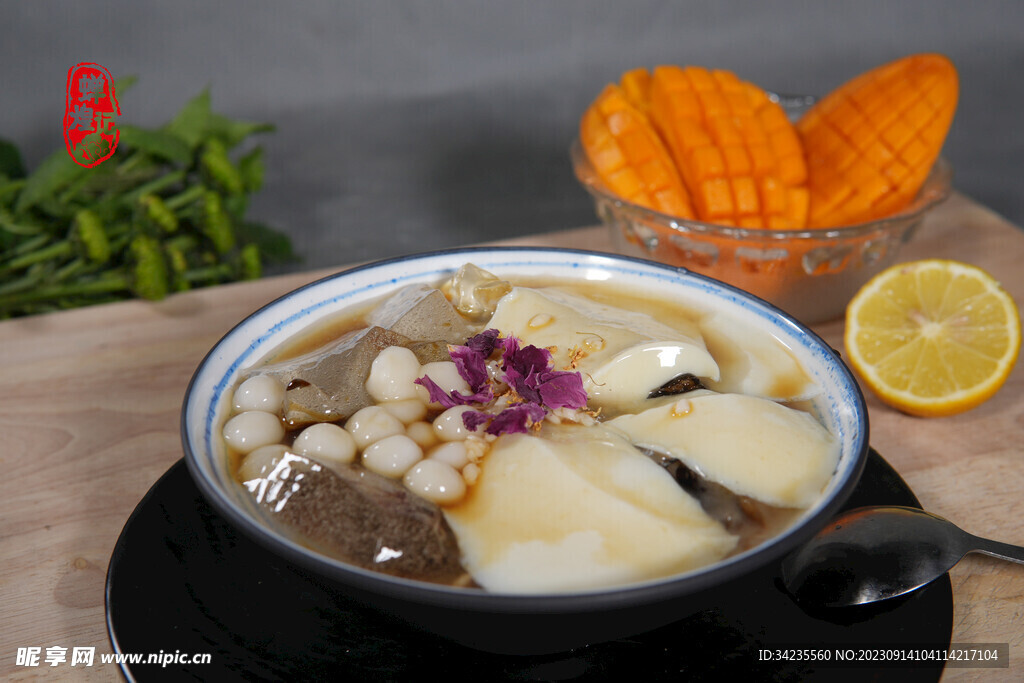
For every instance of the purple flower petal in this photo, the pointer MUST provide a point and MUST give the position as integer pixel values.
(484, 342)
(454, 398)
(516, 419)
(472, 419)
(527, 370)
(485, 395)
(437, 394)
(528, 359)
(509, 348)
(562, 390)
(471, 364)
(533, 378)
(522, 385)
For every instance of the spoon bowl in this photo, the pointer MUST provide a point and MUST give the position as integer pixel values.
(877, 553)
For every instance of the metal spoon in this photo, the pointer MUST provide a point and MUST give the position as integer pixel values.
(876, 553)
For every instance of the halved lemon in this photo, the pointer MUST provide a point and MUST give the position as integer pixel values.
(933, 337)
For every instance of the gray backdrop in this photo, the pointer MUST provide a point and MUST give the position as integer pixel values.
(411, 125)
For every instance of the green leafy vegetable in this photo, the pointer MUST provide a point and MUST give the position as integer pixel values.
(232, 132)
(56, 171)
(165, 213)
(190, 124)
(156, 142)
(10, 160)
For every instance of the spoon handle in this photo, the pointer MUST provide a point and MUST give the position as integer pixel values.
(1004, 551)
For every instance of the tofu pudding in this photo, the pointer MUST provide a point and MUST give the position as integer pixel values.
(529, 437)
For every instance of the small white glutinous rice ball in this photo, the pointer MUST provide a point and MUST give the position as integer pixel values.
(372, 423)
(446, 375)
(259, 392)
(452, 453)
(436, 481)
(392, 374)
(422, 433)
(326, 441)
(248, 431)
(408, 410)
(392, 456)
(261, 462)
(449, 425)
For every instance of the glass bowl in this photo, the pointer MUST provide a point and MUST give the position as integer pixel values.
(810, 273)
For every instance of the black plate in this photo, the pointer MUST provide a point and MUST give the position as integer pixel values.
(183, 581)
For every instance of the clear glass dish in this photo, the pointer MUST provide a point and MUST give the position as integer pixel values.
(809, 273)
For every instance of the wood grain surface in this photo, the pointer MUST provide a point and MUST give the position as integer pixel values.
(89, 418)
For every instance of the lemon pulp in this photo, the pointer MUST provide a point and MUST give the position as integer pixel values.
(933, 337)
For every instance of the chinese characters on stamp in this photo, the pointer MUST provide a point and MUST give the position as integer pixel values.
(90, 111)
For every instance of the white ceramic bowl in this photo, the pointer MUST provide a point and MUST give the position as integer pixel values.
(513, 623)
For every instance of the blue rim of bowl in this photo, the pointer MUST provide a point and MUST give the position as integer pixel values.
(937, 187)
(478, 600)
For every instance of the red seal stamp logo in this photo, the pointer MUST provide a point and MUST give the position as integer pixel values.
(90, 111)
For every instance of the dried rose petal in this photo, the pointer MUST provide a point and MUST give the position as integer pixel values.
(485, 395)
(472, 419)
(484, 342)
(437, 394)
(509, 347)
(453, 398)
(471, 364)
(516, 419)
(522, 385)
(524, 360)
(559, 389)
(527, 370)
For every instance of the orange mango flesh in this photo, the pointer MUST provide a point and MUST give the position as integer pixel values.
(699, 143)
(636, 85)
(871, 143)
(736, 150)
(629, 157)
(861, 153)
